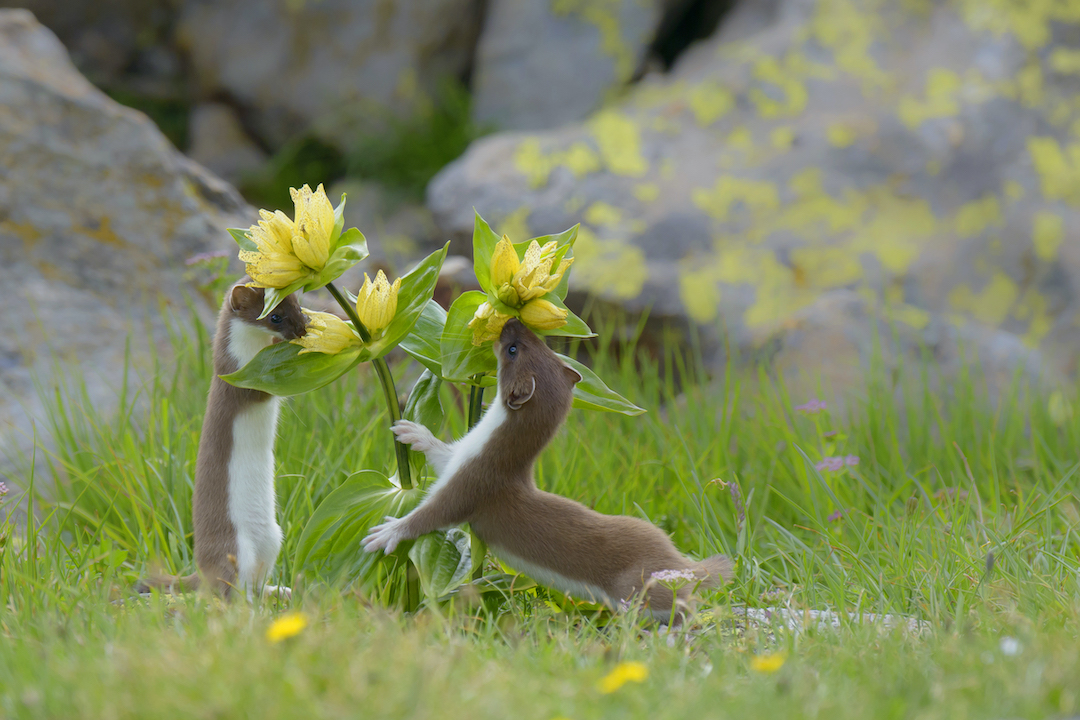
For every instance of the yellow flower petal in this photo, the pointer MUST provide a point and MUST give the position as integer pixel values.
(769, 663)
(273, 233)
(326, 333)
(286, 626)
(275, 270)
(504, 263)
(314, 226)
(543, 315)
(376, 303)
(487, 324)
(507, 294)
(621, 674)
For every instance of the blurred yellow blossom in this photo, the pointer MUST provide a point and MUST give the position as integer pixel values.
(286, 626)
(376, 303)
(768, 663)
(326, 333)
(621, 674)
(1060, 408)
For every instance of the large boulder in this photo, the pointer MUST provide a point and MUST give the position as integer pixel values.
(98, 213)
(923, 155)
(338, 65)
(546, 63)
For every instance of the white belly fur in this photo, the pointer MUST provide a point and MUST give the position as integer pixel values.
(472, 443)
(252, 503)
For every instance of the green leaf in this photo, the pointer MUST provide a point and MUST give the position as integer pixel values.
(272, 297)
(484, 242)
(592, 394)
(281, 370)
(423, 342)
(416, 290)
(443, 561)
(424, 405)
(242, 239)
(460, 358)
(574, 327)
(339, 225)
(330, 544)
(351, 249)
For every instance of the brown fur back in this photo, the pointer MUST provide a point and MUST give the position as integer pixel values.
(614, 553)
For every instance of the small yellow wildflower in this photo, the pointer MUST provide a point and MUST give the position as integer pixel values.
(326, 333)
(376, 303)
(314, 226)
(1060, 408)
(543, 315)
(487, 324)
(286, 626)
(623, 673)
(768, 663)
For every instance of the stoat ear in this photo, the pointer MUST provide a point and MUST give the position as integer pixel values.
(574, 375)
(242, 298)
(520, 393)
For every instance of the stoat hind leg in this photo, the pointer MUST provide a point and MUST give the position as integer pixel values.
(422, 440)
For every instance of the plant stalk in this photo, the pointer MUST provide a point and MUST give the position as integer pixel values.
(476, 405)
(386, 379)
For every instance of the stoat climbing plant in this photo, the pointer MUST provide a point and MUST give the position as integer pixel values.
(526, 281)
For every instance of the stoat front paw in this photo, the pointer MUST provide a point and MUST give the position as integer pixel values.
(386, 537)
(414, 434)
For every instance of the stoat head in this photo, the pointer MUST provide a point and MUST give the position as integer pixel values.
(530, 371)
(285, 322)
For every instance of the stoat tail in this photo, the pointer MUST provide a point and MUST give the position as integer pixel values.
(714, 571)
(169, 584)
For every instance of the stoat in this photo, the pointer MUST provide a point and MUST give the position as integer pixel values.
(486, 479)
(237, 537)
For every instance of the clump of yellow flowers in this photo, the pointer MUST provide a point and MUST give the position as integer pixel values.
(376, 306)
(289, 251)
(519, 286)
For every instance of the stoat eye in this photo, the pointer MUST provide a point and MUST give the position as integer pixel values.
(512, 350)
(276, 319)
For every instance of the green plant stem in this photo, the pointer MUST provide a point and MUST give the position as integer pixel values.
(476, 404)
(386, 379)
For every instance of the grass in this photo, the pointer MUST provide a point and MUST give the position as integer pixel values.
(959, 513)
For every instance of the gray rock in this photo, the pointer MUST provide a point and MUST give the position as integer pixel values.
(924, 158)
(338, 65)
(97, 214)
(546, 63)
(218, 142)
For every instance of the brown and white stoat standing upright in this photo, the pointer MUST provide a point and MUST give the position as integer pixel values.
(486, 479)
(237, 538)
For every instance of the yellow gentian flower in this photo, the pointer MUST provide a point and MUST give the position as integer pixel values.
(534, 278)
(487, 324)
(286, 626)
(621, 674)
(543, 315)
(326, 333)
(273, 263)
(314, 226)
(376, 303)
